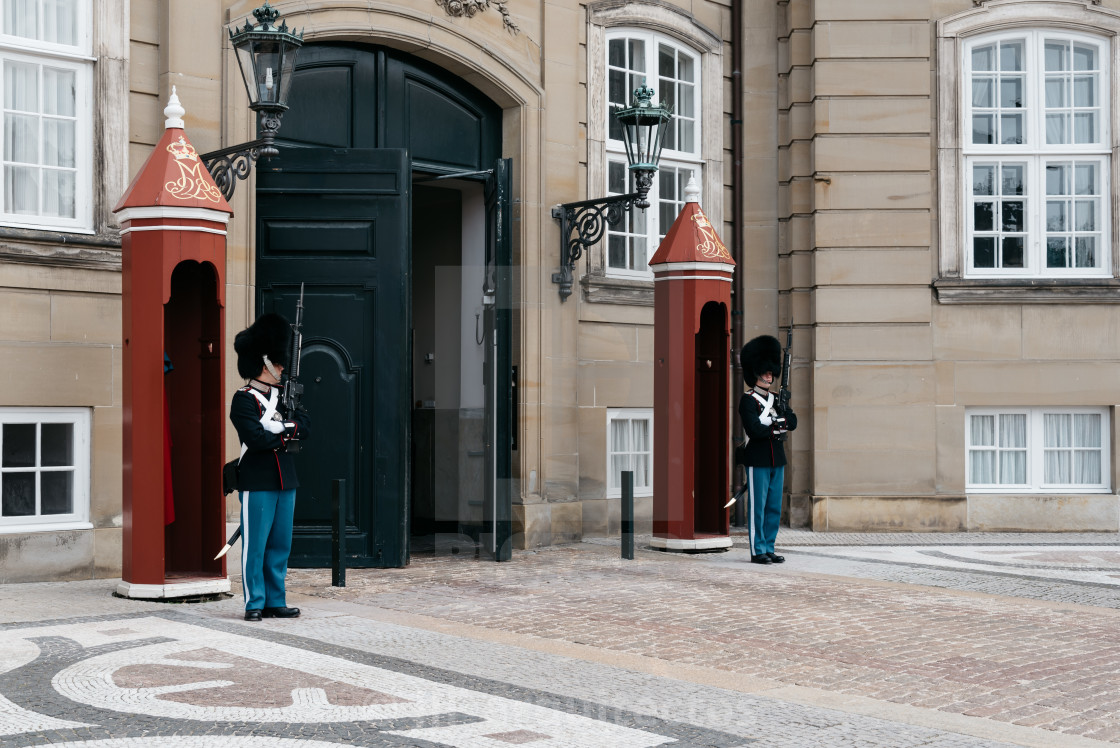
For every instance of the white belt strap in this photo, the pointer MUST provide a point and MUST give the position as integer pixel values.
(269, 411)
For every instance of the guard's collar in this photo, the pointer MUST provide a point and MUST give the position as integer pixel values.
(260, 386)
(762, 392)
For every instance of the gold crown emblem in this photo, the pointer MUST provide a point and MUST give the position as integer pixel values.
(181, 149)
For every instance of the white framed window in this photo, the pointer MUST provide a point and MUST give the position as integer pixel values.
(1035, 119)
(44, 468)
(636, 57)
(630, 447)
(46, 91)
(1035, 450)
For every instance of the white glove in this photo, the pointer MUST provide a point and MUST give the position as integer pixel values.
(273, 427)
(765, 419)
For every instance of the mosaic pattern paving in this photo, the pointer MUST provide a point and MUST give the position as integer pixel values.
(154, 680)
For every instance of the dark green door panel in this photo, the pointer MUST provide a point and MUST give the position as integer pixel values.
(338, 222)
(358, 96)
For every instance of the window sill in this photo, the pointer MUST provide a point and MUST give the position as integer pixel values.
(60, 249)
(1020, 291)
(601, 289)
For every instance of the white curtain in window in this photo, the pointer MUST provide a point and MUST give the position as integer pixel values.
(982, 462)
(1087, 456)
(21, 18)
(640, 463)
(619, 448)
(60, 21)
(1013, 452)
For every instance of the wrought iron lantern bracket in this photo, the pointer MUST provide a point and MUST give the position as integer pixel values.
(582, 225)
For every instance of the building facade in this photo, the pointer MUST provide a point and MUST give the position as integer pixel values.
(922, 187)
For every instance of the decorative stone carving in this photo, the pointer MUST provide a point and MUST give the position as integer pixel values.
(468, 8)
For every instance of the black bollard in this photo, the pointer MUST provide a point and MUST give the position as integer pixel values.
(338, 532)
(628, 514)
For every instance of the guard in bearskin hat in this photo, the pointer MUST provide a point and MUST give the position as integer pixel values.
(266, 473)
(763, 454)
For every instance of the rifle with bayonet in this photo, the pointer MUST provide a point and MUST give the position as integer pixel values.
(292, 394)
(784, 391)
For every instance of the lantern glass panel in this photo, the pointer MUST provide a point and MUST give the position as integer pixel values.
(266, 71)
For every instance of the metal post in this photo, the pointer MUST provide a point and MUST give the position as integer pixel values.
(739, 513)
(628, 514)
(338, 532)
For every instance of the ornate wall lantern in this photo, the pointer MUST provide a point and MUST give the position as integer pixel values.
(582, 223)
(266, 55)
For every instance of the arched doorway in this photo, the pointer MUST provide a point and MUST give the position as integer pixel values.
(392, 263)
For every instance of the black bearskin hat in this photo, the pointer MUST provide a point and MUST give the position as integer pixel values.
(270, 335)
(760, 355)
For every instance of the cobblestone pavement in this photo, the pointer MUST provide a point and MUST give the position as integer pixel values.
(572, 646)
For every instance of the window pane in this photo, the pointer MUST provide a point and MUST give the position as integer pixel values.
(58, 142)
(1084, 58)
(1057, 129)
(56, 445)
(983, 433)
(17, 494)
(1057, 56)
(1011, 93)
(21, 190)
(686, 105)
(641, 435)
(619, 463)
(59, 92)
(1057, 92)
(1013, 430)
(982, 91)
(616, 251)
(616, 177)
(1012, 216)
(1057, 179)
(1086, 215)
(982, 467)
(616, 84)
(1085, 179)
(984, 217)
(1057, 252)
(19, 445)
(688, 135)
(1086, 254)
(21, 138)
(21, 18)
(1056, 215)
(1013, 467)
(1012, 180)
(638, 258)
(57, 489)
(983, 58)
(1085, 90)
(686, 68)
(620, 435)
(21, 86)
(616, 53)
(983, 180)
(1087, 430)
(666, 62)
(1056, 467)
(1011, 56)
(1085, 127)
(1011, 129)
(60, 21)
(984, 252)
(1086, 467)
(637, 55)
(1056, 429)
(1013, 252)
(983, 129)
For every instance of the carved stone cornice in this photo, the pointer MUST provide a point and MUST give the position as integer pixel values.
(469, 8)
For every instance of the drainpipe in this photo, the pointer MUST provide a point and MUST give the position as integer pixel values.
(738, 288)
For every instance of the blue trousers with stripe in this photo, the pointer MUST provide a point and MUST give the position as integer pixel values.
(266, 541)
(764, 506)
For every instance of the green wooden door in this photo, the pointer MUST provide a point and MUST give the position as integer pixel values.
(497, 508)
(337, 220)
